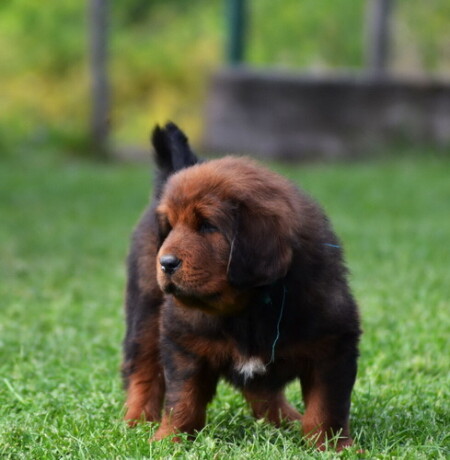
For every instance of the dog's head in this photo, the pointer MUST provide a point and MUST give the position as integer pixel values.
(226, 226)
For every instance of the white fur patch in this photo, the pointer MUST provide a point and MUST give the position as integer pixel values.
(250, 367)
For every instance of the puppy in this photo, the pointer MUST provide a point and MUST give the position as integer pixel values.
(234, 273)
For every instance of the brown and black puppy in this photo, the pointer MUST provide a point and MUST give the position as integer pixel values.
(235, 273)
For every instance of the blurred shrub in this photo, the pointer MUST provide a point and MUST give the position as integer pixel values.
(163, 51)
(308, 33)
(422, 37)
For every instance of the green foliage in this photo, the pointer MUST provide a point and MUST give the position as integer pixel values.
(63, 240)
(308, 34)
(163, 52)
(417, 44)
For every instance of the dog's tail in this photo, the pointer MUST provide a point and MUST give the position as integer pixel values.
(172, 152)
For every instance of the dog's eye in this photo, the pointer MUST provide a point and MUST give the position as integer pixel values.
(164, 228)
(207, 227)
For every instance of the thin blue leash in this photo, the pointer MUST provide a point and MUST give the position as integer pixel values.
(272, 357)
(269, 299)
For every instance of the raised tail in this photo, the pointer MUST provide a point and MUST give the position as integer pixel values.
(172, 152)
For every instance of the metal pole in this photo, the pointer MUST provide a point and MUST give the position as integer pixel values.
(236, 34)
(98, 18)
(378, 35)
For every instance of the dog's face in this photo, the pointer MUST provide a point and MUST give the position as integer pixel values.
(223, 232)
(192, 261)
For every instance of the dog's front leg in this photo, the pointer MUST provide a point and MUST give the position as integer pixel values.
(190, 385)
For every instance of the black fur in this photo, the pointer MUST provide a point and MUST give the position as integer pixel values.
(299, 318)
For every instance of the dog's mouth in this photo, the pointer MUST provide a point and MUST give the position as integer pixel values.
(192, 299)
(214, 299)
(177, 290)
(172, 288)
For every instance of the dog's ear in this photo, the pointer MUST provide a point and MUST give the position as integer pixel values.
(261, 250)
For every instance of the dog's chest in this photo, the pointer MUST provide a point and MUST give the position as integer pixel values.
(248, 368)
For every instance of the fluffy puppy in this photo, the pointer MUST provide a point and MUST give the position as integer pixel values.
(234, 273)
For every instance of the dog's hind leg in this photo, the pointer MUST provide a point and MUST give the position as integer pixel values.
(145, 379)
(145, 397)
(142, 370)
(272, 406)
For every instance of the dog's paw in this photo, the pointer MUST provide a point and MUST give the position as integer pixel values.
(163, 433)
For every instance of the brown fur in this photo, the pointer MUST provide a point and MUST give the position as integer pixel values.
(261, 278)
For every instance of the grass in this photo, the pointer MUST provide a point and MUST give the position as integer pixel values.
(63, 240)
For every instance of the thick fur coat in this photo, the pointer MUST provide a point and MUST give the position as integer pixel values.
(234, 273)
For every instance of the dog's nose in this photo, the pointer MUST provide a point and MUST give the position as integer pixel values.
(169, 263)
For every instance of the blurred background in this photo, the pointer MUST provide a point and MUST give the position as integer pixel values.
(83, 82)
(158, 58)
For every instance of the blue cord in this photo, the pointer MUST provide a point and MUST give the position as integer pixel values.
(272, 358)
(268, 300)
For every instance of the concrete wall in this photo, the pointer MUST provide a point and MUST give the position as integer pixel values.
(278, 115)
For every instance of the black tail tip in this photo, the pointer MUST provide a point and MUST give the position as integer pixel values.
(172, 151)
(161, 136)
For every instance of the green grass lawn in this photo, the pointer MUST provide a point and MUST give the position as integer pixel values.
(63, 239)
